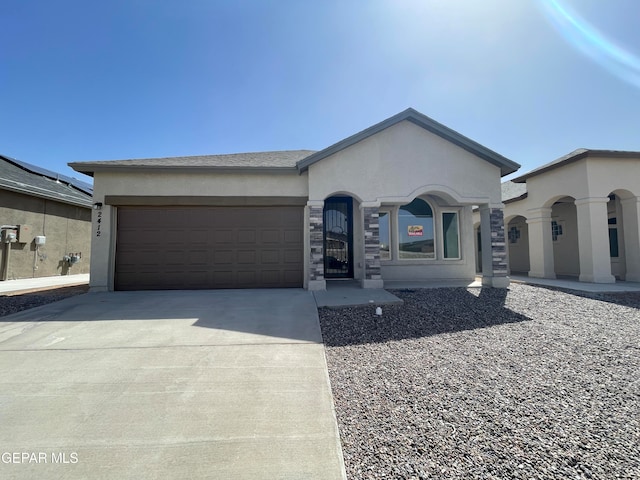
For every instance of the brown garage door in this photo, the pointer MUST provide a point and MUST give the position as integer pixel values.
(162, 248)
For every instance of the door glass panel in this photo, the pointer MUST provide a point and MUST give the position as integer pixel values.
(338, 241)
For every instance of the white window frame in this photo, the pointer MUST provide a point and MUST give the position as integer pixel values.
(434, 215)
(389, 212)
(456, 211)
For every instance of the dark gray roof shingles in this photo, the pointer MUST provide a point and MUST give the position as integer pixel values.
(16, 178)
(577, 154)
(512, 191)
(276, 159)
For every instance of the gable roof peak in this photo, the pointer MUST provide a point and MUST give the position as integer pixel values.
(410, 114)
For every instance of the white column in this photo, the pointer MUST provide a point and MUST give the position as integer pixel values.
(593, 240)
(541, 264)
(631, 228)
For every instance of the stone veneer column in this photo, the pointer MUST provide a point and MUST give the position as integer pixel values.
(372, 277)
(541, 263)
(316, 279)
(494, 255)
(593, 240)
(631, 228)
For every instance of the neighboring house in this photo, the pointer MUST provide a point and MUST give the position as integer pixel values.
(578, 216)
(45, 221)
(391, 203)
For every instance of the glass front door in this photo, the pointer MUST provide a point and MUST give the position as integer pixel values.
(338, 237)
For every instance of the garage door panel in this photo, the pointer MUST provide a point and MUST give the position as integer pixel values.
(222, 278)
(223, 236)
(209, 247)
(247, 236)
(270, 257)
(224, 257)
(270, 236)
(246, 278)
(198, 257)
(291, 277)
(292, 257)
(175, 257)
(270, 277)
(245, 257)
(292, 236)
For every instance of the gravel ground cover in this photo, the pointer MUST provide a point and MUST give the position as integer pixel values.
(15, 303)
(529, 383)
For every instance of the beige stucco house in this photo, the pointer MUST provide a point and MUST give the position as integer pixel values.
(45, 222)
(393, 202)
(578, 216)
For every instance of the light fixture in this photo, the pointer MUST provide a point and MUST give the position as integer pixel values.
(97, 206)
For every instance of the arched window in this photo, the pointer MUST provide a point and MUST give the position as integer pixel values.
(415, 231)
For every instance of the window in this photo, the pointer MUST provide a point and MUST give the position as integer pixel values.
(415, 231)
(514, 235)
(385, 238)
(613, 238)
(556, 230)
(450, 235)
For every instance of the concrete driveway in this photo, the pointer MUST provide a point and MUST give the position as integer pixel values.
(222, 384)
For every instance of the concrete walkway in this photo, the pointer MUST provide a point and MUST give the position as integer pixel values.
(26, 285)
(574, 284)
(348, 293)
(228, 384)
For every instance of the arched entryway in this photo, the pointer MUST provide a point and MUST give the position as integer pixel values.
(623, 238)
(564, 235)
(517, 239)
(338, 237)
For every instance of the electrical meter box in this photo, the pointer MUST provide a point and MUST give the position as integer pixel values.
(40, 240)
(8, 236)
(25, 233)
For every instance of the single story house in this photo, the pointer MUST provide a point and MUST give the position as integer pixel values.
(45, 222)
(578, 216)
(392, 202)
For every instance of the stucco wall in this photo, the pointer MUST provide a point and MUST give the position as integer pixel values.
(402, 161)
(588, 177)
(67, 229)
(518, 251)
(566, 257)
(199, 183)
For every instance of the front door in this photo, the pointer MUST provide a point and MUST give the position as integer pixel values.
(338, 237)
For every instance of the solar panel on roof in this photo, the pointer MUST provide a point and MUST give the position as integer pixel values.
(79, 184)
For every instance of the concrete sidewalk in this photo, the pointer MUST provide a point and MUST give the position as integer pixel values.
(228, 384)
(574, 284)
(26, 285)
(349, 293)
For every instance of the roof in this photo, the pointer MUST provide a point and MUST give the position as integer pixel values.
(506, 166)
(574, 156)
(253, 160)
(512, 192)
(31, 180)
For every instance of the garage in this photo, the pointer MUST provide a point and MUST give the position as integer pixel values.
(204, 247)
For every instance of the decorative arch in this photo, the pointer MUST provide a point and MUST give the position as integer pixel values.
(344, 193)
(554, 199)
(517, 241)
(446, 193)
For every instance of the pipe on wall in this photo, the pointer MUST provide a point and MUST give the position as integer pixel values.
(6, 253)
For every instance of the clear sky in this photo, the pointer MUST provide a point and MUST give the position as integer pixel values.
(101, 80)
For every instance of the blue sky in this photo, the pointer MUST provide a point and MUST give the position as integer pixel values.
(530, 79)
